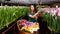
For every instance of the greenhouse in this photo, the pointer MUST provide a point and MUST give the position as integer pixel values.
(29, 16)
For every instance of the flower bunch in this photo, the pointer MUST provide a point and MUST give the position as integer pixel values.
(29, 26)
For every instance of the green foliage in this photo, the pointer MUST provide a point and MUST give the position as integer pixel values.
(8, 14)
(53, 23)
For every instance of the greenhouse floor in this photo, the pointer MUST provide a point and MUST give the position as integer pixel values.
(11, 29)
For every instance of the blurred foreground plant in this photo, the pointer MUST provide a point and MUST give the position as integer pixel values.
(8, 14)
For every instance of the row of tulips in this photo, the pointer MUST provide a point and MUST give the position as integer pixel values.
(8, 14)
(52, 16)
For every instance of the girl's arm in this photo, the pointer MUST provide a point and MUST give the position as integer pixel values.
(37, 13)
(34, 15)
(31, 16)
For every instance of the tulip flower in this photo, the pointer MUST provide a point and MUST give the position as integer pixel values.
(47, 10)
(58, 12)
(53, 12)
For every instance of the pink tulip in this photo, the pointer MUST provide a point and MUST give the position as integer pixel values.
(58, 12)
(53, 11)
(47, 10)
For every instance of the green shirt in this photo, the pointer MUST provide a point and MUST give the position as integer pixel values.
(31, 19)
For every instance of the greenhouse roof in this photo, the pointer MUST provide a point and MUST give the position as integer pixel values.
(29, 1)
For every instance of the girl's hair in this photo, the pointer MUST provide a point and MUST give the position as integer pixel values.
(35, 9)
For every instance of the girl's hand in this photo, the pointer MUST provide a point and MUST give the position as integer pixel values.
(38, 15)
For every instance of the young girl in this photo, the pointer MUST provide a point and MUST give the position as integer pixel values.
(32, 14)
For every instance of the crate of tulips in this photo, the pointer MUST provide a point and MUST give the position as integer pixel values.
(26, 27)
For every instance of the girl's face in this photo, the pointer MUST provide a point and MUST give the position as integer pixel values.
(32, 8)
